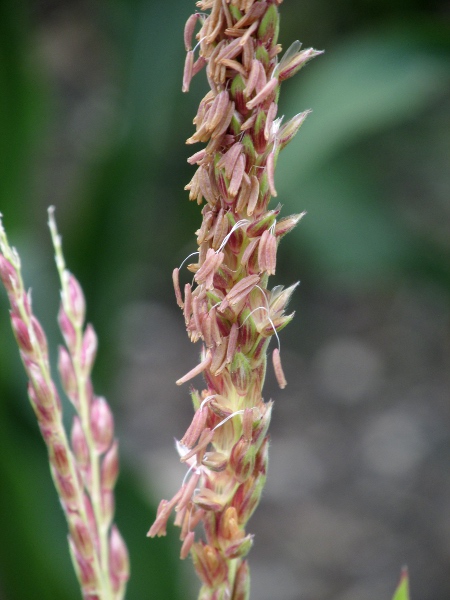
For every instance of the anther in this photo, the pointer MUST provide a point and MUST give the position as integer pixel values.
(187, 543)
(188, 492)
(176, 285)
(278, 369)
(196, 370)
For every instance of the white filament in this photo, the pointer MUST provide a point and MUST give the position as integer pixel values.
(270, 321)
(187, 257)
(206, 400)
(233, 229)
(238, 412)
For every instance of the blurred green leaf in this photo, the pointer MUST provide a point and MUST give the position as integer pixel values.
(20, 109)
(155, 566)
(34, 557)
(121, 192)
(402, 591)
(350, 235)
(152, 68)
(368, 83)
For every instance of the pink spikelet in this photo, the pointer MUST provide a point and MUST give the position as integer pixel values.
(85, 468)
(228, 307)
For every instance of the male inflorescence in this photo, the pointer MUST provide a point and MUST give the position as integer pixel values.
(228, 306)
(85, 466)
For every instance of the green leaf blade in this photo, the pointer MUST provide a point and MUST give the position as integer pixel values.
(402, 591)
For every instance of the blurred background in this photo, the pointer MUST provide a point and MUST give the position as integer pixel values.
(92, 120)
